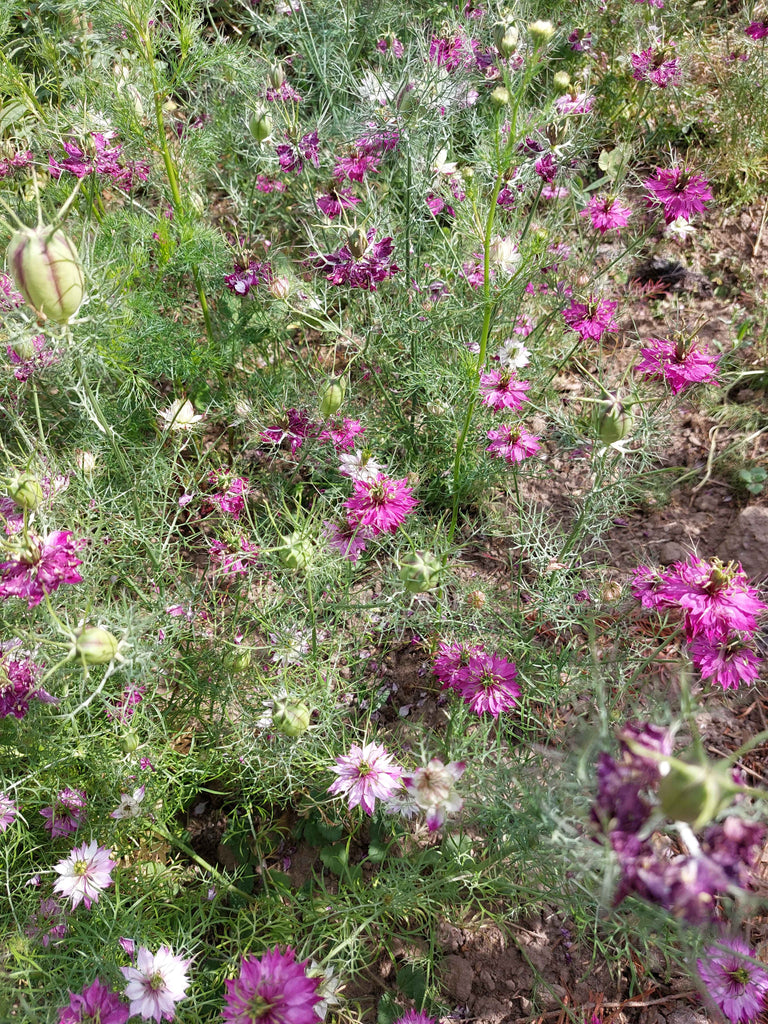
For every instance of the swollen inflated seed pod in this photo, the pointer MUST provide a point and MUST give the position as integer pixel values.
(332, 397)
(46, 269)
(295, 551)
(614, 421)
(420, 571)
(695, 793)
(96, 646)
(26, 491)
(291, 718)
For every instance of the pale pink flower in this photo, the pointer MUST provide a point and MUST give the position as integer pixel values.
(501, 389)
(157, 982)
(85, 873)
(736, 984)
(433, 788)
(8, 811)
(366, 774)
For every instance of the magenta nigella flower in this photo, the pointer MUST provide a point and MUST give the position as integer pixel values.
(355, 166)
(157, 982)
(757, 29)
(336, 200)
(47, 922)
(265, 184)
(681, 363)
(292, 157)
(85, 873)
(294, 427)
(452, 661)
(342, 267)
(342, 435)
(38, 357)
(348, 540)
(284, 93)
(232, 499)
(41, 568)
(381, 506)
(102, 159)
(474, 271)
(228, 563)
(501, 390)
(9, 297)
(488, 684)
(591, 319)
(415, 1017)
(606, 213)
(272, 989)
(650, 66)
(546, 167)
(438, 205)
(681, 192)
(67, 814)
(648, 586)
(18, 686)
(366, 774)
(574, 103)
(716, 598)
(513, 444)
(390, 44)
(449, 53)
(728, 662)
(242, 279)
(8, 811)
(129, 700)
(95, 1003)
(735, 983)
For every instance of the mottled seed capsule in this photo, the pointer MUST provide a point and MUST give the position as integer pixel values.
(332, 397)
(129, 741)
(26, 491)
(46, 269)
(260, 125)
(358, 243)
(420, 571)
(291, 717)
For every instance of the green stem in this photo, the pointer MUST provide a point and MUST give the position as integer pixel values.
(487, 311)
(163, 833)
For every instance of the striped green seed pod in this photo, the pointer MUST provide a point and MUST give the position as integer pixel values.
(47, 271)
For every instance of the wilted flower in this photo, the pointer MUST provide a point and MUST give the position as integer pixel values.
(47, 922)
(67, 814)
(433, 789)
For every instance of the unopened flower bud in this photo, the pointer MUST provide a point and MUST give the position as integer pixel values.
(505, 36)
(96, 646)
(26, 491)
(541, 32)
(260, 125)
(291, 717)
(46, 269)
(129, 741)
(280, 288)
(694, 793)
(358, 243)
(296, 551)
(420, 571)
(276, 76)
(500, 96)
(240, 660)
(615, 421)
(332, 397)
(561, 81)
(85, 462)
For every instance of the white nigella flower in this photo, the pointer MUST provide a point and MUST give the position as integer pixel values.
(180, 415)
(360, 466)
(505, 254)
(375, 90)
(513, 355)
(441, 165)
(290, 650)
(130, 805)
(679, 228)
(329, 986)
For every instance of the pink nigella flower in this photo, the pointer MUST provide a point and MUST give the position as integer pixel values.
(653, 67)
(85, 873)
(415, 1017)
(648, 586)
(8, 811)
(342, 434)
(727, 662)
(390, 44)
(232, 499)
(438, 205)
(501, 390)
(474, 271)
(157, 982)
(129, 700)
(292, 157)
(488, 684)
(265, 184)
(18, 686)
(67, 814)
(606, 213)
(734, 983)
(347, 539)
(380, 506)
(546, 167)
(342, 267)
(294, 427)
(681, 362)
(336, 200)
(366, 774)
(9, 297)
(574, 103)
(681, 192)
(272, 989)
(102, 159)
(512, 443)
(230, 563)
(716, 598)
(27, 364)
(449, 53)
(591, 319)
(356, 166)
(41, 568)
(95, 1003)
(452, 661)
(284, 93)
(757, 29)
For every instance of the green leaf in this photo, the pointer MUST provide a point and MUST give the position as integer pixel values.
(412, 982)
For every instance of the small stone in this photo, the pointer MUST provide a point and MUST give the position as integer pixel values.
(457, 978)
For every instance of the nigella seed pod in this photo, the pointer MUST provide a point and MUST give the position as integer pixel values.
(26, 491)
(614, 421)
(420, 572)
(276, 76)
(95, 646)
(46, 269)
(129, 741)
(296, 551)
(332, 397)
(358, 243)
(505, 37)
(694, 793)
(291, 718)
(260, 125)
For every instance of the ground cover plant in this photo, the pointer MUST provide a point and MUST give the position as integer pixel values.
(382, 557)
